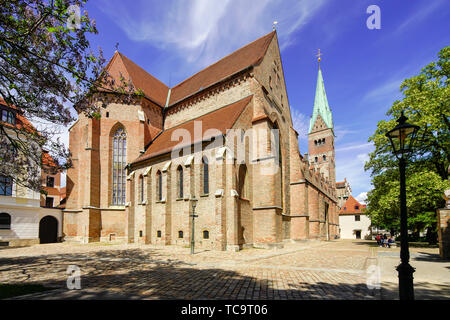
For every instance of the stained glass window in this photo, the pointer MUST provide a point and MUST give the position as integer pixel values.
(205, 175)
(141, 189)
(180, 182)
(119, 164)
(159, 185)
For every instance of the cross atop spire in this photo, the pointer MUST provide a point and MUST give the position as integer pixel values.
(319, 56)
(274, 25)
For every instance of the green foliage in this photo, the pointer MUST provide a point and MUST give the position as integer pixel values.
(424, 190)
(47, 66)
(426, 103)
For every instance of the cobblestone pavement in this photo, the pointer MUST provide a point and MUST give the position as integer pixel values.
(302, 270)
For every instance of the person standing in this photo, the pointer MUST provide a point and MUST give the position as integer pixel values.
(378, 238)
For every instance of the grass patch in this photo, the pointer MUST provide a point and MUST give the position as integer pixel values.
(14, 290)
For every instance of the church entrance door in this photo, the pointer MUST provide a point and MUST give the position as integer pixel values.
(48, 230)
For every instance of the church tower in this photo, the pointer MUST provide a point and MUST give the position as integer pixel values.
(321, 133)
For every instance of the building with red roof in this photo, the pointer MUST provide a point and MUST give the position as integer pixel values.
(28, 217)
(353, 221)
(223, 136)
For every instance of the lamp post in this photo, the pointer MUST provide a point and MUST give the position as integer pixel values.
(402, 138)
(194, 204)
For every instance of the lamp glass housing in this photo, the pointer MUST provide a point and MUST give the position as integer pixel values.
(402, 137)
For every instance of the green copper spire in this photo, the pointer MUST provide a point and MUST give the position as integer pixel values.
(321, 104)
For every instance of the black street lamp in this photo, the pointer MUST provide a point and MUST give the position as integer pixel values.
(194, 204)
(402, 138)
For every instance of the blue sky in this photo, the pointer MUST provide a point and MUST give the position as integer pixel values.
(362, 68)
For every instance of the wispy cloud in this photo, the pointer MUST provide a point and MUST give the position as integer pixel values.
(420, 14)
(203, 30)
(386, 90)
(354, 147)
(350, 163)
(300, 122)
(341, 132)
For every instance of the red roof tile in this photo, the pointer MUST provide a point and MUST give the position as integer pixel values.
(152, 88)
(47, 159)
(247, 56)
(221, 119)
(350, 206)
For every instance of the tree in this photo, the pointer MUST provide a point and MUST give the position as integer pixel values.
(424, 189)
(426, 103)
(46, 67)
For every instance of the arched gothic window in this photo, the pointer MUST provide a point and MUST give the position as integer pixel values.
(5, 221)
(180, 181)
(205, 175)
(141, 189)
(119, 164)
(159, 185)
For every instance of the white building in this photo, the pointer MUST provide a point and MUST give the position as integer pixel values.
(354, 223)
(22, 220)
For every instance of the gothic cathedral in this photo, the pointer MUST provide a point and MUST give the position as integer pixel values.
(139, 169)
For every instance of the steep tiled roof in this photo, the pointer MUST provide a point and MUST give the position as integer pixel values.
(153, 89)
(350, 206)
(47, 159)
(221, 119)
(244, 57)
(340, 184)
(247, 56)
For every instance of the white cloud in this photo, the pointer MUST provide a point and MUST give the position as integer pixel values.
(341, 132)
(300, 122)
(350, 164)
(385, 91)
(353, 146)
(203, 31)
(362, 198)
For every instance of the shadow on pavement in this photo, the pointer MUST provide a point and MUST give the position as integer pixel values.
(422, 291)
(429, 257)
(133, 274)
